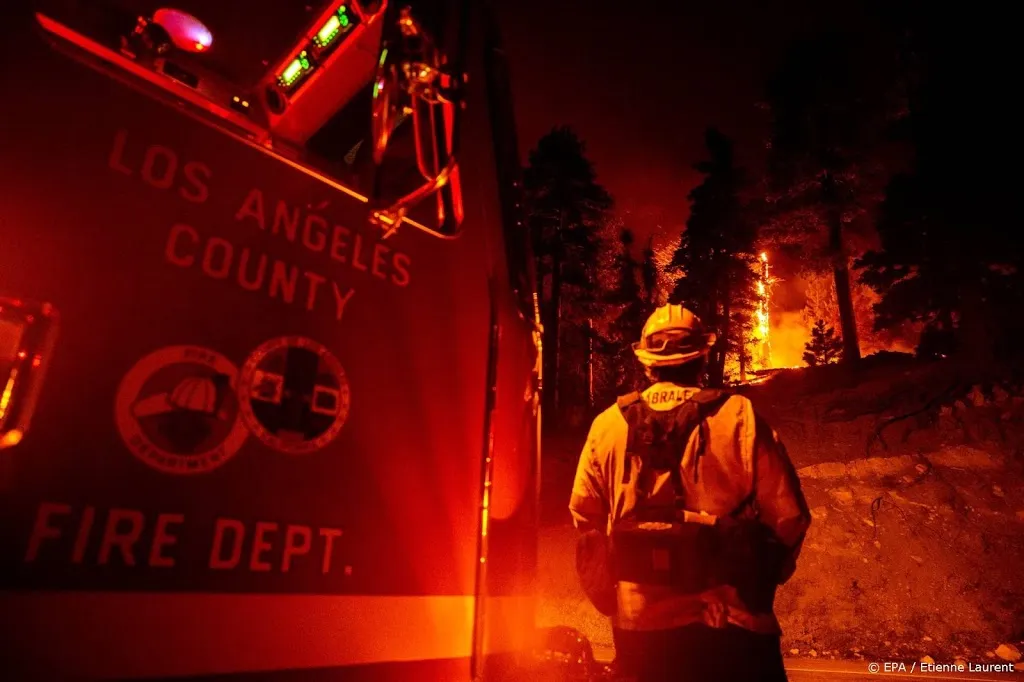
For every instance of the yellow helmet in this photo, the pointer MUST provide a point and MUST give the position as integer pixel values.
(672, 335)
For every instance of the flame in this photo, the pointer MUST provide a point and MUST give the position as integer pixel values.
(762, 356)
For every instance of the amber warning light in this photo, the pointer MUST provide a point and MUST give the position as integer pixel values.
(186, 32)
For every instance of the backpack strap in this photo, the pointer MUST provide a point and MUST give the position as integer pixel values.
(747, 508)
(711, 397)
(631, 406)
(624, 401)
(688, 416)
(690, 411)
(651, 429)
(711, 400)
(708, 401)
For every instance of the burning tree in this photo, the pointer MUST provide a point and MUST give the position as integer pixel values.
(762, 315)
(751, 347)
(823, 348)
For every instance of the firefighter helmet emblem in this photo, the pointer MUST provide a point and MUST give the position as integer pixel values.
(293, 394)
(177, 410)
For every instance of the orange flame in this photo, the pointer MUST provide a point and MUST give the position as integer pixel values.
(762, 322)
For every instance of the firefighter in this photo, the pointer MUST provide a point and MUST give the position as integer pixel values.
(691, 515)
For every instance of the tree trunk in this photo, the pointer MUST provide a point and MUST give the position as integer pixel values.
(552, 380)
(974, 346)
(590, 363)
(847, 318)
(946, 319)
(841, 273)
(718, 371)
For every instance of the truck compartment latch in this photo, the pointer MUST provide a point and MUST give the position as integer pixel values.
(27, 335)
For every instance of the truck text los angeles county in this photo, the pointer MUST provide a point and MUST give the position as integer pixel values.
(269, 358)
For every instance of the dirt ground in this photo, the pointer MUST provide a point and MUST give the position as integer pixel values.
(916, 486)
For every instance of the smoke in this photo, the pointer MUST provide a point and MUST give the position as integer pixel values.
(790, 334)
(821, 304)
(664, 251)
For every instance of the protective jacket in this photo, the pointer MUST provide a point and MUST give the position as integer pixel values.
(702, 506)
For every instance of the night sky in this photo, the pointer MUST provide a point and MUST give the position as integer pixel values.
(641, 89)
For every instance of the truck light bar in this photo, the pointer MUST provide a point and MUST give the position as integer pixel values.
(112, 63)
(297, 69)
(331, 32)
(340, 23)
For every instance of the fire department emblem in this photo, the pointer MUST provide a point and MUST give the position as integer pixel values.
(177, 410)
(294, 395)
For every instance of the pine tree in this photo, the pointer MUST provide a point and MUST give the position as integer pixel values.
(649, 275)
(949, 255)
(565, 208)
(823, 348)
(828, 101)
(743, 333)
(631, 310)
(715, 253)
(667, 276)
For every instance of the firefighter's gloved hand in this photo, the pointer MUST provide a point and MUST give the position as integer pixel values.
(750, 559)
(593, 566)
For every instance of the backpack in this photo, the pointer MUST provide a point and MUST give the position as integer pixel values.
(669, 545)
(658, 440)
(652, 543)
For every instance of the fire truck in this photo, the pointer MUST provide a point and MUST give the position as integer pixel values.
(269, 350)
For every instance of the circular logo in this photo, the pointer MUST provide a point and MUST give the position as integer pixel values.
(177, 410)
(293, 395)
